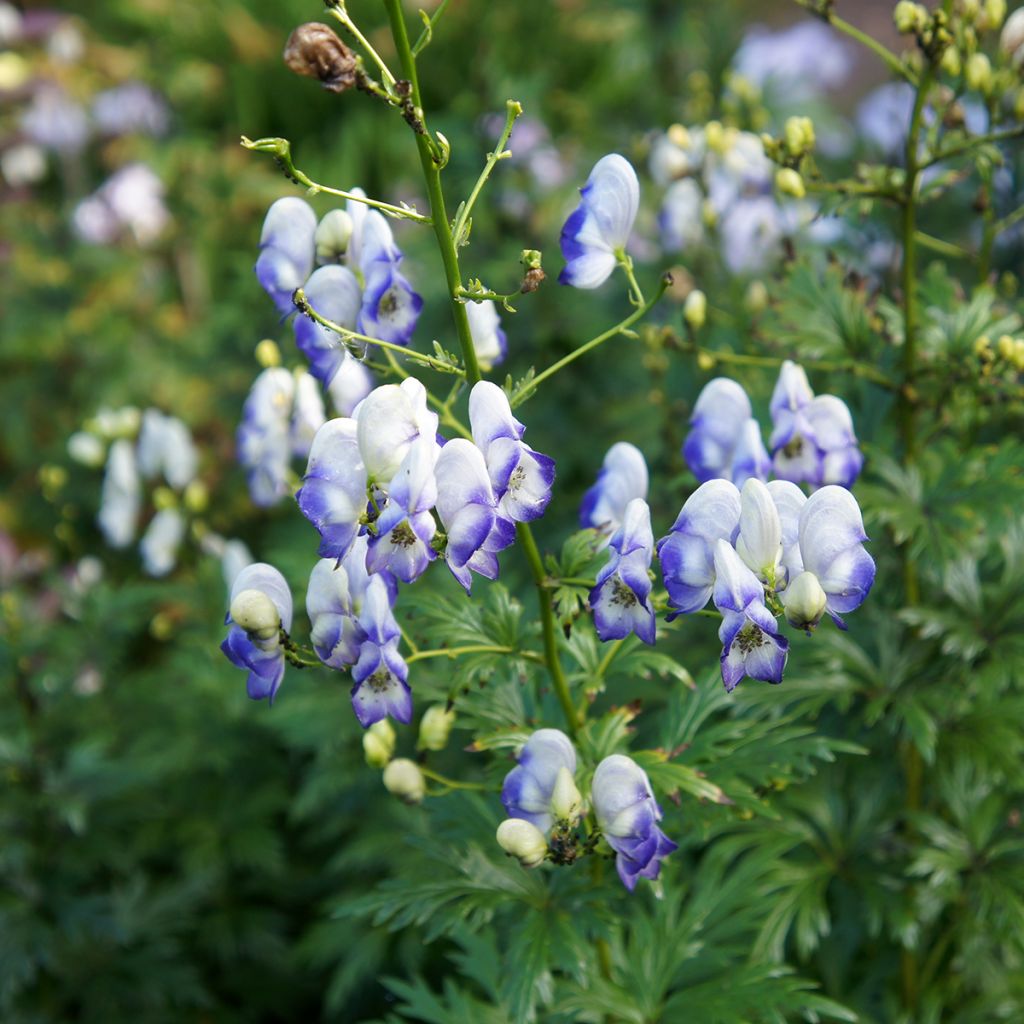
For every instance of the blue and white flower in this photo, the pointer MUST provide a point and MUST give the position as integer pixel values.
(286, 250)
(165, 448)
(759, 541)
(388, 422)
(521, 477)
(621, 597)
(261, 606)
(623, 477)
(307, 413)
(628, 817)
(681, 219)
(832, 548)
(751, 644)
(529, 789)
(160, 543)
(789, 503)
(335, 295)
(687, 554)
(121, 498)
(351, 383)
(595, 235)
(799, 60)
(333, 496)
(489, 340)
(468, 508)
(263, 438)
(390, 307)
(380, 673)
(724, 439)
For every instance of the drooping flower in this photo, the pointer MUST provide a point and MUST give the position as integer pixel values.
(489, 340)
(832, 548)
(468, 508)
(751, 644)
(621, 596)
(263, 438)
(333, 493)
(261, 606)
(598, 229)
(390, 307)
(628, 817)
(160, 543)
(521, 477)
(121, 496)
(333, 292)
(529, 788)
(623, 477)
(687, 554)
(724, 439)
(165, 447)
(286, 250)
(380, 673)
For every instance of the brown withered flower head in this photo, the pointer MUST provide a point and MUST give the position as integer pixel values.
(314, 51)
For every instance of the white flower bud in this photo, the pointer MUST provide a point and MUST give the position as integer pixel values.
(379, 743)
(435, 728)
(804, 601)
(86, 449)
(789, 183)
(256, 614)
(566, 802)
(695, 309)
(522, 840)
(1011, 39)
(403, 779)
(332, 236)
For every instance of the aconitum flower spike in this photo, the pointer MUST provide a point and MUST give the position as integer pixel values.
(380, 673)
(286, 250)
(751, 645)
(687, 554)
(469, 513)
(724, 439)
(623, 477)
(628, 817)
(261, 606)
(121, 496)
(529, 788)
(489, 340)
(831, 545)
(333, 493)
(334, 293)
(521, 477)
(621, 597)
(598, 229)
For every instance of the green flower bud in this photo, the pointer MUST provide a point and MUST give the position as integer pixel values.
(804, 601)
(799, 135)
(379, 743)
(435, 728)
(756, 298)
(695, 309)
(1018, 354)
(268, 354)
(994, 13)
(566, 802)
(950, 61)
(256, 614)
(522, 840)
(1004, 346)
(86, 449)
(910, 17)
(403, 779)
(789, 183)
(196, 497)
(332, 236)
(978, 72)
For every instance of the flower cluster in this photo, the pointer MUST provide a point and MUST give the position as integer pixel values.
(544, 808)
(812, 439)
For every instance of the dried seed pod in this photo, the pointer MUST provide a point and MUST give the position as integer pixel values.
(532, 280)
(314, 51)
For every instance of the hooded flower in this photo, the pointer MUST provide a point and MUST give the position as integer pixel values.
(521, 477)
(388, 422)
(165, 447)
(333, 292)
(121, 497)
(724, 439)
(687, 554)
(489, 339)
(160, 543)
(380, 673)
(390, 308)
(751, 645)
(263, 439)
(261, 606)
(623, 477)
(530, 787)
(598, 229)
(681, 219)
(628, 817)
(621, 596)
(286, 250)
(307, 413)
(759, 542)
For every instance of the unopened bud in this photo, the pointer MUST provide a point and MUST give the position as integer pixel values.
(1011, 39)
(715, 136)
(332, 236)
(910, 17)
(379, 743)
(256, 614)
(969, 9)
(1004, 346)
(164, 498)
(804, 601)
(994, 13)
(799, 135)
(52, 479)
(566, 802)
(314, 51)
(983, 347)
(403, 779)
(679, 136)
(435, 728)
(268, 354)
(950, 61)
(705, 361)
(86, 449)
(789, 183)
(756, 299)
(522, 840)
(1018, 354)
(196, 497)
(695, 309)
(978, 72)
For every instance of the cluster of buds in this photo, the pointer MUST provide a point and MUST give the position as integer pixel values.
(1007, 349)
(795, 143)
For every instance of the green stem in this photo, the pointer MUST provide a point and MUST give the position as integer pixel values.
(609, 657)
(455, 783)
(942, 247)
(547, 616)
(455, 652)
(336, 8)
(1007, 222)
(974, 143)
(432, 177)
(428, 28)
(636, 294)
(528, 388)
(512, 110)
